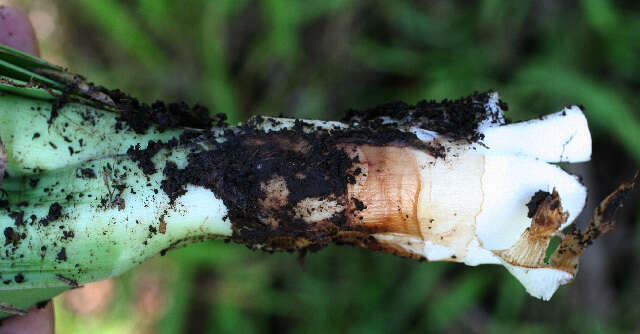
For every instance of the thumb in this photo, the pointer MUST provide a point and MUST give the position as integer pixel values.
(37, 321)
(17, 32)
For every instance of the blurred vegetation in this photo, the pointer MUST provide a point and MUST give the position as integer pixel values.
(317, 58)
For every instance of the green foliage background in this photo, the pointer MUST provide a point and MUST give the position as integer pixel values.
(317, 58)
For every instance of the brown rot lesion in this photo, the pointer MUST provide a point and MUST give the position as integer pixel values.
(529, 251)
(305, 208)
(301, 188)
(535, 249)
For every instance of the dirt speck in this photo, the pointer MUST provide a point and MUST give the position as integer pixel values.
(87, 173)
(55, 212)
(11, 236)
(62, 254)
(19, 278)
(535, 201)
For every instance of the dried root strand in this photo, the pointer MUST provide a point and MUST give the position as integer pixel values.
(11, 309)
(603, 221)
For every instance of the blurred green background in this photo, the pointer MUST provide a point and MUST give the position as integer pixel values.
(317, 58)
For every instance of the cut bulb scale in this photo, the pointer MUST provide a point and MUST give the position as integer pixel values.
(88, 194)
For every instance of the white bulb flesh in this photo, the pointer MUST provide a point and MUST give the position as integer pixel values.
(473, 203)
(560, 137)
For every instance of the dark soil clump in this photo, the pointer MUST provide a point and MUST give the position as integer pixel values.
(143, 156)
(55, 212)
(88, 173)
(140, 116)
(62, 255)
(17, 217)
(19, 278)
(457, 119)
(11, 236)
(315, 164)
(312, 166)
(535, 202)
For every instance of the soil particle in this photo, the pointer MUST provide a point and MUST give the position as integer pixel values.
(62, 255)
(535, 201)
(55, 212)
(87, 173)
(174, 183)
(19, 278)
(18, 217)
(11, 236)
(143, 156)
(358, 204)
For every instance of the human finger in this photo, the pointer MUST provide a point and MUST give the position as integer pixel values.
(37, 321)
(17, 31)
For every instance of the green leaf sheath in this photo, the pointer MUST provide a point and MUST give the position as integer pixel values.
(77, 209)
(79, 133)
